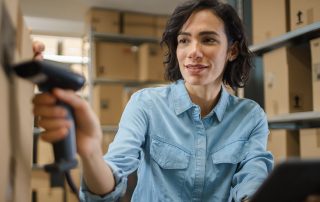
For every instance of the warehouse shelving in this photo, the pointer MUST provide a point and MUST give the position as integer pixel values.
(293, 121)
(293, 37)
(94, 37)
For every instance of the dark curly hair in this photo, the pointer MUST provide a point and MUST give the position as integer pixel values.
(236, 72)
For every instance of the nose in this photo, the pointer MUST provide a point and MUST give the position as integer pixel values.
(195, 51)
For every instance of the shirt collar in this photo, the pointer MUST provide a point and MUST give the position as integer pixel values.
(222, 104)
(182, 101)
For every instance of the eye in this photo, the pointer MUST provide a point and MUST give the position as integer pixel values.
(209, 40)
(182, 40)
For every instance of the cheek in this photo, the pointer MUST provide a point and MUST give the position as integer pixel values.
(180, 56)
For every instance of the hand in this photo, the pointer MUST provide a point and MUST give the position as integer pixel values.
(312, 198)
(38, 48)
(53, 120)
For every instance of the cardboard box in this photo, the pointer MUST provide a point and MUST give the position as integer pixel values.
(141, 25)
(151, 67)
(103, 21)
(303, 13)
(310, 143)
(283, 144)
(287, 80)
(108, 103)
(161, 22)
(315, 55)
(5, 151)
(55, 194)
(116, 61)
(269, 19)
(107, 139)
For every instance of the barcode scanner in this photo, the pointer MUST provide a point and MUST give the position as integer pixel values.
(47, 76)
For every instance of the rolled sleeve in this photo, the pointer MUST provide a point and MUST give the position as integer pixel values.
(120, 188)
(254, 169)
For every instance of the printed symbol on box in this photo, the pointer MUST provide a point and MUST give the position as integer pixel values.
(104, 104)
(270, 80)
(299, 16)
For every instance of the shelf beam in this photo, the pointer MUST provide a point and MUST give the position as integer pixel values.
(297, 36)
(123, 38)
(295, 121)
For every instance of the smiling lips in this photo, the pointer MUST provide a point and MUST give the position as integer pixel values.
(195, 68)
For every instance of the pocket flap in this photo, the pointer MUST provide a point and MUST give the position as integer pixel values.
(232, 153)
(168, 156)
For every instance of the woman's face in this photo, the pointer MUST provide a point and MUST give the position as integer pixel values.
(202, 49)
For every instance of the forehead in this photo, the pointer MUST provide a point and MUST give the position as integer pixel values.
(203, 20)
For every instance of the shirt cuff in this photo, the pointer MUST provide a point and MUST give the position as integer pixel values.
(120, 188)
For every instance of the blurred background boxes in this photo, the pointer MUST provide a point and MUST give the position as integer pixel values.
(108, 103)
(304, 12)
(103, 21)
(269, 19)
(284, 144)
(151, 67)
(116, 61)
(287, 83)
(310, 143)
(315, 55)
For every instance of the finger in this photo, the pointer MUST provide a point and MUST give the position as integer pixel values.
(38, 47)
(54, 124)
(44, 98)
(70, 98)
(54, 135)
(50, 111)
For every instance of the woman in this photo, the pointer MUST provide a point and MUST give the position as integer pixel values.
(190, 140)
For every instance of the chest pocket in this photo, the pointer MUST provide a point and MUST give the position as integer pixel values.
(232, 153)
(168, 156)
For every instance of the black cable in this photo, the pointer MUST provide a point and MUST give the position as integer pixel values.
(71, 184)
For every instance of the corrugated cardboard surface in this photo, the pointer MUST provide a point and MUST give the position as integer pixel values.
(310, 143)
(269, 19)
(103, 21)
(116, 61)
(283, 144)
(304, 12)
(142, 25)
(315, 54)
(287, 83)
(5, 151)
(109, 105)
(151, 67)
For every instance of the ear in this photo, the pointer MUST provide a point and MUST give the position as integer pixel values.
(233, 51)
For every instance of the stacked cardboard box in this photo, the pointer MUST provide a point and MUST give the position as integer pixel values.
(269, 19)
(303, 13)
(15, 107)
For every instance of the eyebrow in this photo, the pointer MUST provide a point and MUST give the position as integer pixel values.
(201, 33)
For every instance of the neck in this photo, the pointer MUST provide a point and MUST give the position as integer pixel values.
(206, 97)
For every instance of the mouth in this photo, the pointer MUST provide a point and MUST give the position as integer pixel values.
(195, 68)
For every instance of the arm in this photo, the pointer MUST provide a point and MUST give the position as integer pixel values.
(258, 163)
(96, 173)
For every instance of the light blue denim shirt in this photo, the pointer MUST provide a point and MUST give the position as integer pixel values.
(182, 157)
